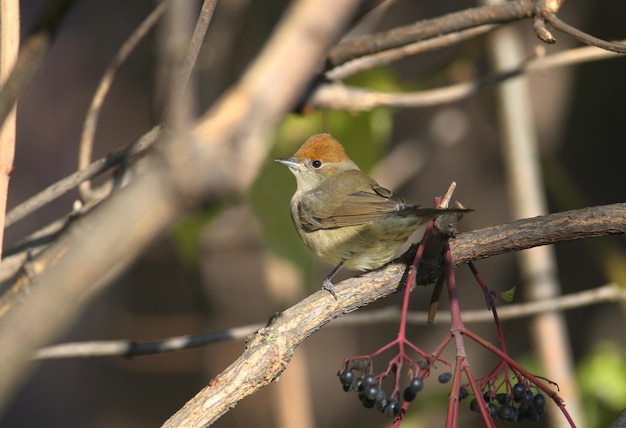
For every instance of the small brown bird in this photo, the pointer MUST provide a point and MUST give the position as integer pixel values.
(343, 215)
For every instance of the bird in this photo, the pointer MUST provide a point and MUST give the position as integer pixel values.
(344, 216)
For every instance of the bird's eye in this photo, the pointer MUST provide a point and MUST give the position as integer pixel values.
(316, 164)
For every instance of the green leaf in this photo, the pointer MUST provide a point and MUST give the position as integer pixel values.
(508, 295)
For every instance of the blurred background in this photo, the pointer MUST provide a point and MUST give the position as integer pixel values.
(241, 262)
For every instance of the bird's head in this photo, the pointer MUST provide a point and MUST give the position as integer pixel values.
(318, 159)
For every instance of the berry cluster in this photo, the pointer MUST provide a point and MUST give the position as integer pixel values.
(371, 393)
(518, 405)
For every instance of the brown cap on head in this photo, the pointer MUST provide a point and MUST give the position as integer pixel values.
(321, 147)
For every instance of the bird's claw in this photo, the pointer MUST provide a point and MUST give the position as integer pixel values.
(330, 287)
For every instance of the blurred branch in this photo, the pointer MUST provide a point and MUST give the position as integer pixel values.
(68, 183)
(612, 293)
(91, 121)
(429, 28)
(36, 45)
(197, 38)
(270, 349)
(218, 157)
(391, 55)
(339, 97)
(89, 129)
(9, 47)
(539, 10)
(581, 36)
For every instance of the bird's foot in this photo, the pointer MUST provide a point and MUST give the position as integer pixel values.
(330, 287)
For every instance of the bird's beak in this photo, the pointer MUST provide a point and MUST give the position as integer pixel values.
(289, 163)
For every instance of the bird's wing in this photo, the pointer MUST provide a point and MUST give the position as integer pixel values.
(319, 212)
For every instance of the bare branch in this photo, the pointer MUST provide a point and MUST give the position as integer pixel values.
(68, 183)
(127, 349)
(543, 230)
(340, 97)
(581, 36)
(197, 38)
(450, 23)
(388, 56)
(91, 121)
(540, 10)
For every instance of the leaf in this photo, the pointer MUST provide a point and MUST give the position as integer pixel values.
(508, 295)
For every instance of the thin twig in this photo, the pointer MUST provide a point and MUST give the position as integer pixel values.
(91, 121)
(391, 55)
(197, 39)
(429, 28)
(126, 348)
(587, 39)
(68, 183)
(340, 97)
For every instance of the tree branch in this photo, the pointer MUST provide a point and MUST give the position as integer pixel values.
(426, 29)
(91, 121)
(270, 349)
(341, 97)
(128, 348)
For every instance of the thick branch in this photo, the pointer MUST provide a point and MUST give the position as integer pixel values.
(543, 230)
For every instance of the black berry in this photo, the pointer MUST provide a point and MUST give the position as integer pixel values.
(369, 379)
(357, 385)
(518, 391)
(539, 402)
(445, 377)
(381, 399)
(408, 395)
(528, 398)
(506, 412)
(370, 392)
(416, 385)
(392, 408)
(367, 403)
(346, 377)
(532, 415)
(500, 398)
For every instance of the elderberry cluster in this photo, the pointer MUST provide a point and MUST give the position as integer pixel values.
(371, 393)
(519, 405)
